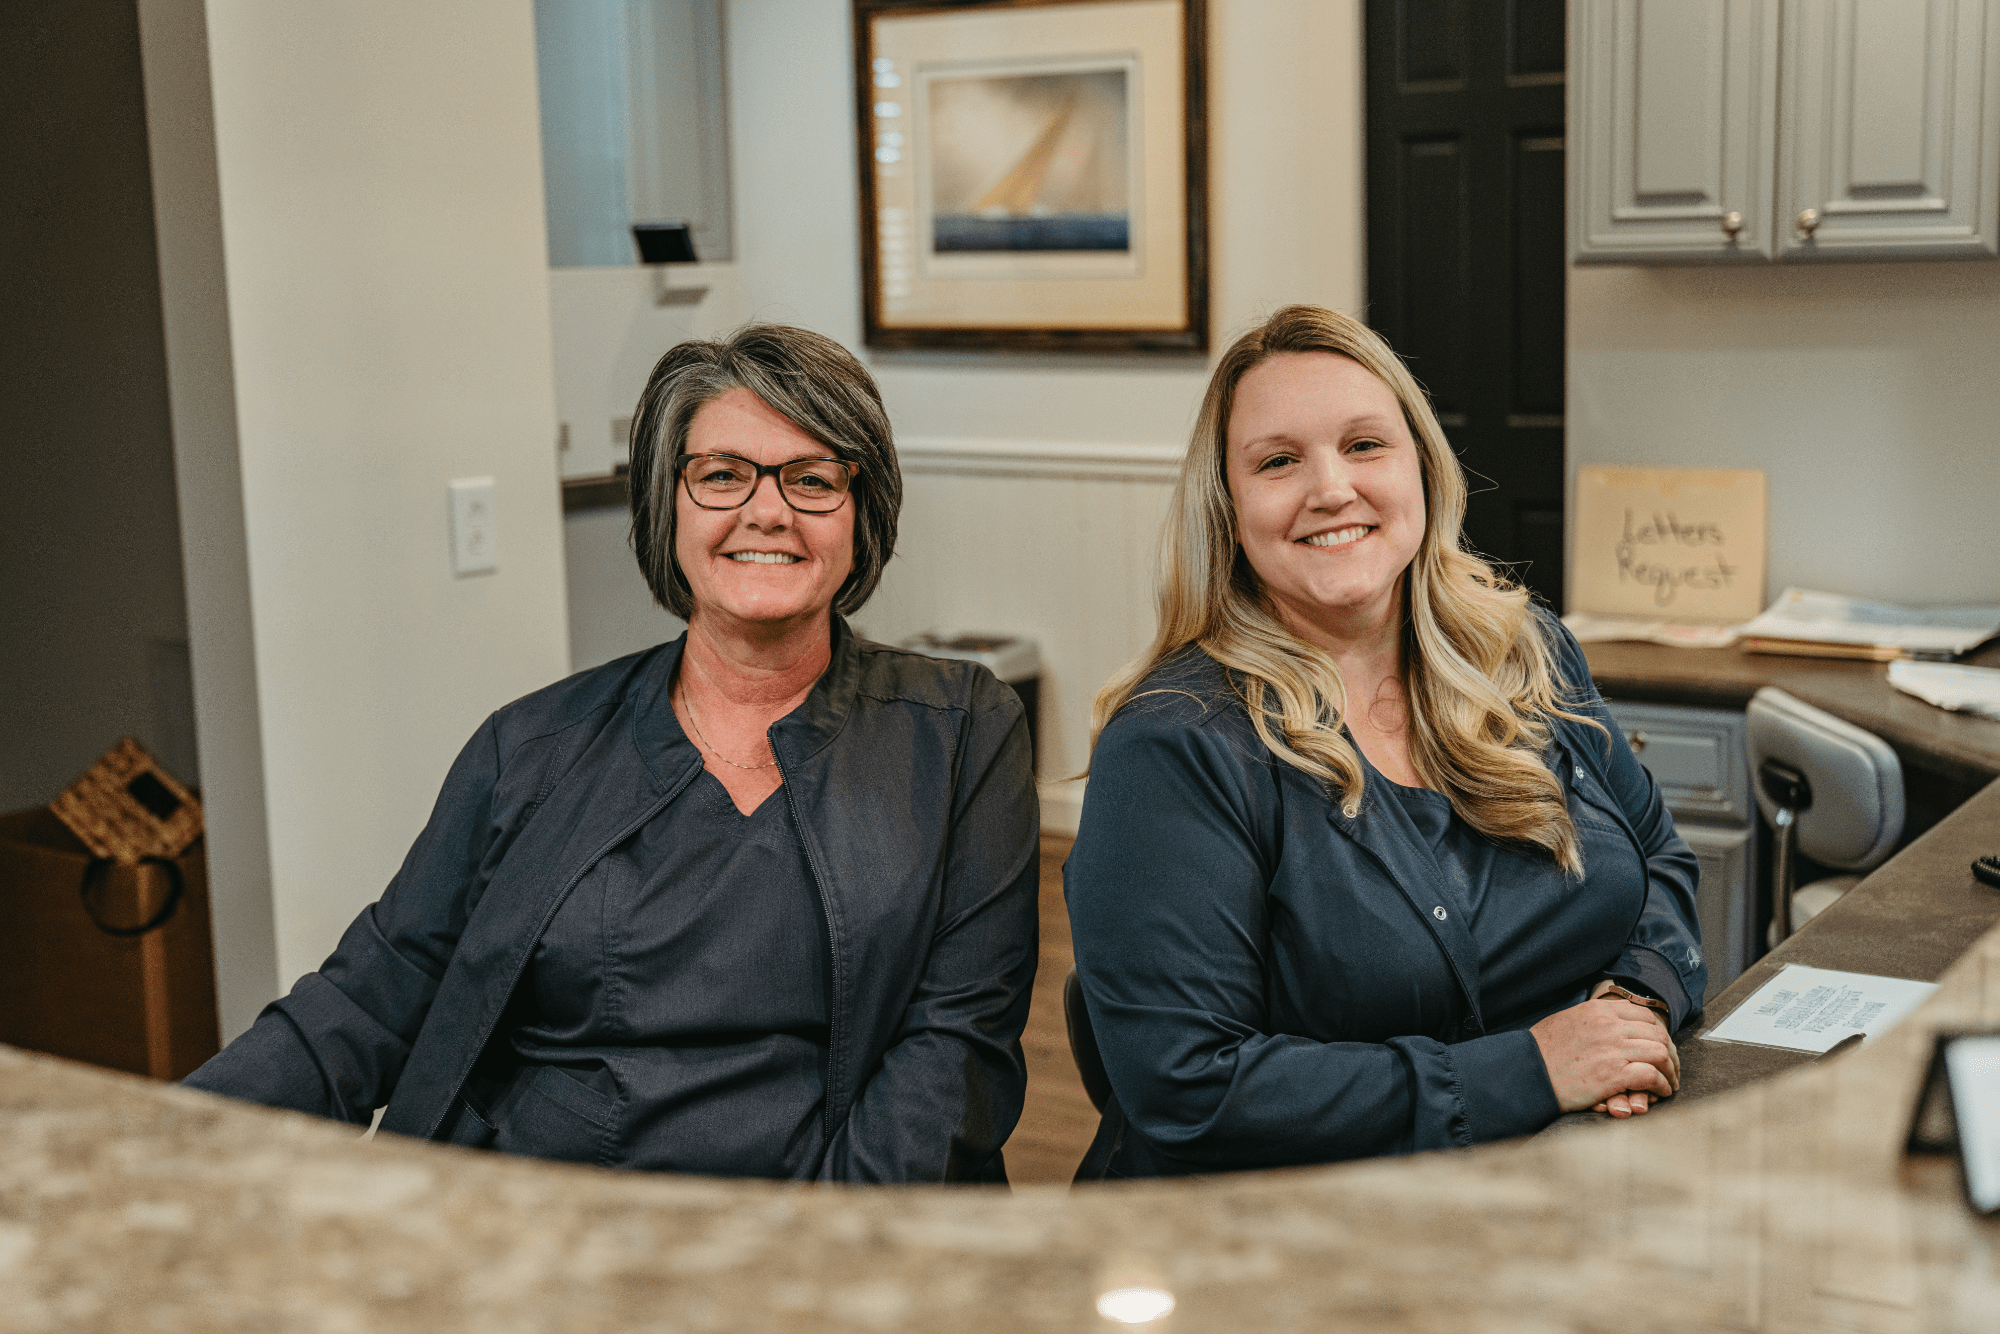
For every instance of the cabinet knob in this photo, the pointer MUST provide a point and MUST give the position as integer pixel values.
(1638, 740)
(1732, 223)
(1808, 222)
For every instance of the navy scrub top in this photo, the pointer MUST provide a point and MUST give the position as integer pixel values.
(1524, 910)
(674, 1015)
(1273, 982)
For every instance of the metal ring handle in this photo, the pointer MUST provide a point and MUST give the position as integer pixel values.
(93, 875)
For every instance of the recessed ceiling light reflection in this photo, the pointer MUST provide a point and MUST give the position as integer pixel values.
(1135, 1306)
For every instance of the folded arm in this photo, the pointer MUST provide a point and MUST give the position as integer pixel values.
(1662, 955)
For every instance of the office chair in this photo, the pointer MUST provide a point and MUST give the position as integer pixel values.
(1831, 791)
(1083, 1043)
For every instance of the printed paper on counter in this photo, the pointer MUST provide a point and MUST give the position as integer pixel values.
(1811, 1009)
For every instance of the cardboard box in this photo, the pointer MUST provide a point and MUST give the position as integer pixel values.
(141, 1003)
(1672, 544)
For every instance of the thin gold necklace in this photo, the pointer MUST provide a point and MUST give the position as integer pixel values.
(687, 698)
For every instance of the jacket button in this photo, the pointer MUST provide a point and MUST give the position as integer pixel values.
(1579, 773)
(1439, 913)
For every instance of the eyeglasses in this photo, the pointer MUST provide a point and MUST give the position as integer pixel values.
(726, 482)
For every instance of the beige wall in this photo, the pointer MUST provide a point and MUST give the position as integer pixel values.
(1867, 392)
(358, 313)
(1038, 550)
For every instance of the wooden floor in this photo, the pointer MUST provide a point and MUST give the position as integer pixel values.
(1058, 1120)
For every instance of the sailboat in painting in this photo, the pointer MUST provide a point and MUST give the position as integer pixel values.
(1069, 189)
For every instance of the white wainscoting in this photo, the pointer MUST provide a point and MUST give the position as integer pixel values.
(1052, 540)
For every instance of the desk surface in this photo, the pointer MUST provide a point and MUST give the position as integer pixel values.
(1956, 746)
(1913, 916)
(1781, 1204)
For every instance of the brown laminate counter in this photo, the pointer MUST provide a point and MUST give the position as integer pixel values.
(1911, 918)
(1955, 747)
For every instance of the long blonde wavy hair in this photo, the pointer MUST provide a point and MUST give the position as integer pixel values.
(1479, 677)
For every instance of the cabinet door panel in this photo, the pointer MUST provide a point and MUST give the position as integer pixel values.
(1890, 129)
(1726, 900)
(1672, 129)
(1677, 146)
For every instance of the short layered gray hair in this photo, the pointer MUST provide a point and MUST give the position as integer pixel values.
(812, 382)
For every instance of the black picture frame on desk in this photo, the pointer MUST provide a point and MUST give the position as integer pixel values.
(1935, 1125)
(1033, 174)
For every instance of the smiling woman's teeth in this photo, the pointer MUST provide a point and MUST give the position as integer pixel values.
(763, 557)
(1339, 537)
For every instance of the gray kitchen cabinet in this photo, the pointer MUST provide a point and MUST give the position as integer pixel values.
(1891, 113)
(1733, 131)
(1673, 122)
(1701, 763)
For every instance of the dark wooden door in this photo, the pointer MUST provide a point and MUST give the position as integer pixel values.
(1466, 253)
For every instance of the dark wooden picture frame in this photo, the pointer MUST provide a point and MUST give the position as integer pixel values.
(1183, 332)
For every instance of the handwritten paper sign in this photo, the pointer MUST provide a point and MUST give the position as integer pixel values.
(1682, 544)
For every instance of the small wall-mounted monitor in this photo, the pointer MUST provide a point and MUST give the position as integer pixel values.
(664, 242)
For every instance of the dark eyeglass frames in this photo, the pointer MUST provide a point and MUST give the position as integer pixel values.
(726, 482)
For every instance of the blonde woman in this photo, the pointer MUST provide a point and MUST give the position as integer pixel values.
(1363, 867)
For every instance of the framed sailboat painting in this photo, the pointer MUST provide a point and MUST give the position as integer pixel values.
(1033, 174)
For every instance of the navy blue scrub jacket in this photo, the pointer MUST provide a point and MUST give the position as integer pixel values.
(1273, 983)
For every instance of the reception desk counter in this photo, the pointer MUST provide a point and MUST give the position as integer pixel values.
(1778, 1203)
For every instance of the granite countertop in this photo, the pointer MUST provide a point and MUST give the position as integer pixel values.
(1786, 1204)
(1773, 1194)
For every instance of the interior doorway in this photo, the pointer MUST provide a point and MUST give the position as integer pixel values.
(1466, 260)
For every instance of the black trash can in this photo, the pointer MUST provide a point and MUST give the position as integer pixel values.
(1015, 659)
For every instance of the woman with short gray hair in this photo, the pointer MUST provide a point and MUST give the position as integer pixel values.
(757, 902)
(813, 383)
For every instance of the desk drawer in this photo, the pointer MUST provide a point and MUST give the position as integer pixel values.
(1697, 756)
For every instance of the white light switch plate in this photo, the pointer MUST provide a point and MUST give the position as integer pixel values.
(475, 527)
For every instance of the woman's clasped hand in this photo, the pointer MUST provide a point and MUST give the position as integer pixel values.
(1608, 1055)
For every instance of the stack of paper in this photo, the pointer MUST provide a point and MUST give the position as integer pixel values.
(1950, 686)
(1590, 629)
(1826, 625)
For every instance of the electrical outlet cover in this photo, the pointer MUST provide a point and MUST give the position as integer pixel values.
(475, 527)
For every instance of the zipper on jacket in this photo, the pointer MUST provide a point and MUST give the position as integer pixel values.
(832, 961)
